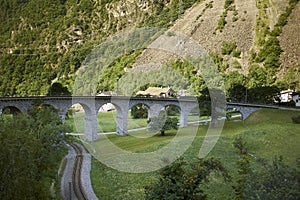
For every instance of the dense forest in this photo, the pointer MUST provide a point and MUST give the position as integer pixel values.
(46, 42)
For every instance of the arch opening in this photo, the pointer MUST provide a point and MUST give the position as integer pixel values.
(106, 118)
(75, 118)
(11, 111)
(172, 110)
(138, 118)
(166, 119)
(233, 114)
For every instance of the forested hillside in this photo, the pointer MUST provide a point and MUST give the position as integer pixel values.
(46, 41)
(253, 43)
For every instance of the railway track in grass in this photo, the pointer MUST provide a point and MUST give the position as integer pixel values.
(76, 175)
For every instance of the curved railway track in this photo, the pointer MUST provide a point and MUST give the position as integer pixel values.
(76, 175)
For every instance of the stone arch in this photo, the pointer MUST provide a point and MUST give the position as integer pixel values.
(121, 105)
(88, 106)
(234, 114)
(140, 104)
(182, 114)
(14, 110)
(185, 110)
(138, 113)
(107, 114)
(21, 106)
(133, 103)
(173, 109)
(245, 111)
(86, 122)
(116, 106)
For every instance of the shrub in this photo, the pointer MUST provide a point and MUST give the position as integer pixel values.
(176, 182)
(162, 123)
(236, 64)
(228, 47)
(221, 23)
(139, 111)
(236, 53)
(228, 3)
(296, 119)
(234, 19)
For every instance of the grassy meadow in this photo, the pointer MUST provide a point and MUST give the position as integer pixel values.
(107, 121)
(268, 133)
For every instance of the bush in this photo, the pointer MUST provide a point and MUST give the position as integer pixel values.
(139, 111)
(296, 119)
(275, 180)
(173, 110)
(221, 23)
(236, 64)
(228, 3)
(176, 182)
(229, 47)
(162, 123)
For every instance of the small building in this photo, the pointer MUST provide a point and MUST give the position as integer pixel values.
(296, 98)
(107, 107)
(286, 96)
(157, 92)
(107, 93)
(182, 92)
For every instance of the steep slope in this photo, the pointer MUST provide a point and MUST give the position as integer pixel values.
(290, 41)
(201, 21)
(252, 27)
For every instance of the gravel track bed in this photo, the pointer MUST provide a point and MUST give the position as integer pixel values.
(85, 175)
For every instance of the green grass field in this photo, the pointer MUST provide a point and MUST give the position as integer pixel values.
(107, 121)
(268, 133)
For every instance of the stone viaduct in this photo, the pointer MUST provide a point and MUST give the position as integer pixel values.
(92, 104)
(247, 109)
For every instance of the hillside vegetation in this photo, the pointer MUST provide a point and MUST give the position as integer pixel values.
(45, 42)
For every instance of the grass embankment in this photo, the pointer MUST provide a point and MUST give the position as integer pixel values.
(268, 133)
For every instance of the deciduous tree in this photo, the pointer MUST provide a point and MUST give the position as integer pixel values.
(162, 123)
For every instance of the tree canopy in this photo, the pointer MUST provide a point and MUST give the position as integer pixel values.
(162, 123)
(182, 180)
(30, 152)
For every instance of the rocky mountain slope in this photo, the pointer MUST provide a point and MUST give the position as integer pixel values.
(200, 23)
(265, 34)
